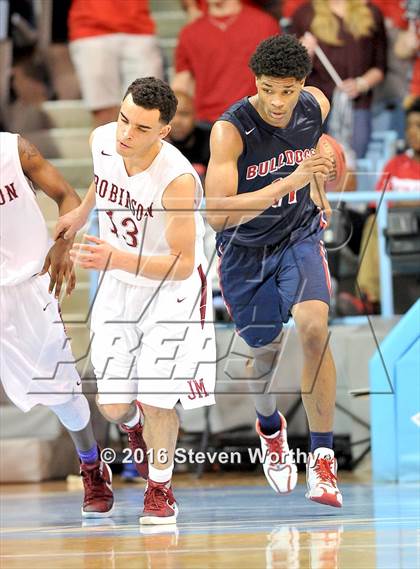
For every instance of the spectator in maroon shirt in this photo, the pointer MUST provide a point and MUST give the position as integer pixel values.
(352, 35)
(212, 55)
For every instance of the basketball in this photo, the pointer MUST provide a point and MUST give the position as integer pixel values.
(332, 149)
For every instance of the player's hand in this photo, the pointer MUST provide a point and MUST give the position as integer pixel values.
(316, 166)
(97, 255)
(61, 268)
(69, 224)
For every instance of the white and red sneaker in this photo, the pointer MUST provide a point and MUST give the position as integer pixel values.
(278, 464)
(137, 445)
(159, 504)
(98, 500)
(321, 478)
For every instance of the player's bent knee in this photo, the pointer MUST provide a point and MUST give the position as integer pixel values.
(314, 338)
(115, 412)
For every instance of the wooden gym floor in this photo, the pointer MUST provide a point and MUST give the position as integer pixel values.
(226, 521)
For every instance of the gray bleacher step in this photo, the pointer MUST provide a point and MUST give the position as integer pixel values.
(67, 114)
(78, 172)
(62, 142)
(169, 23)
(157, 6)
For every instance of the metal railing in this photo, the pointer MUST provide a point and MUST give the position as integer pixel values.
(385, 268)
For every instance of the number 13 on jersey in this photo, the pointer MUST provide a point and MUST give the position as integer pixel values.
(128, 231)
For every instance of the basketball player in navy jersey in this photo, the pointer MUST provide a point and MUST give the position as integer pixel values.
(273, 263)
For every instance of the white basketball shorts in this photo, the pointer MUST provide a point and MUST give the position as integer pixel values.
(36, 362)
(154, 345)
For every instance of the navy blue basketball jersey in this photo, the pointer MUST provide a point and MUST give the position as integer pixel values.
(270, 153)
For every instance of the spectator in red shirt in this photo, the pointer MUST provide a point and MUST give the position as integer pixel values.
(352, 35)
(400, 174)
(111, 45)
(212, 55)
(196, 8)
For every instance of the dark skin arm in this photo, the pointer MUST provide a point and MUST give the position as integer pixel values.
(50, 181)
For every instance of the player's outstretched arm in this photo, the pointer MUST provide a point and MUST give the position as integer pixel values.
(49, 180)
(178, 201)
(225, 207)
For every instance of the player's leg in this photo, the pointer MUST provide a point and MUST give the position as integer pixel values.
(161, 435)
(318, 377)
(96, 475)
(254, 304)
(37, 367)
(130, 418)
(318, 394)
(310, 311)
(115, 349)
(278, 462)
(178, 364)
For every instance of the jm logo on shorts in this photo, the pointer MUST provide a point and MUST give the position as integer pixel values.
(197, 389)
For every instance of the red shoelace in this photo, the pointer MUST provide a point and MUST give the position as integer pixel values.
(156, 497)
(94, 483)
(323, 468)
(275, 446)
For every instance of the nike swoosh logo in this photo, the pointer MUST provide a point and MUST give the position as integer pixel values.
(105, 154)
(249, 131)
(45, 307)
(181, 299)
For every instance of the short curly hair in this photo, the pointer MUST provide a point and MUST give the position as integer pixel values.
(153, 93)
(281, 56)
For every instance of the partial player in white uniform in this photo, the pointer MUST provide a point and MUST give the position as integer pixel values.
(36, 363)
(152, 332)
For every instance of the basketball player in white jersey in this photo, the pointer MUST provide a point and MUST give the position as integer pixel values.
(152, 334)
(36, 363)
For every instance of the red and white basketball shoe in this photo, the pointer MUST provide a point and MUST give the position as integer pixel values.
(321, 478)
(278, 464)
(159, 504)
(137, 445)
(98, 500)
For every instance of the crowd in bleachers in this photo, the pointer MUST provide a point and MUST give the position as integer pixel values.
(365, 59)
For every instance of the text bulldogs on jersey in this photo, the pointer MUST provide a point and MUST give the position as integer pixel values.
(115, 194)
(286, 158)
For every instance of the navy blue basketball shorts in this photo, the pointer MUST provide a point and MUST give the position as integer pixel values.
(260, 285)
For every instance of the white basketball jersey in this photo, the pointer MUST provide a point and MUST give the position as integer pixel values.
(130, 210)
(23, 232)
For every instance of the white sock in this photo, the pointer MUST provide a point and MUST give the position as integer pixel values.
(135, 420)
(157, 475)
